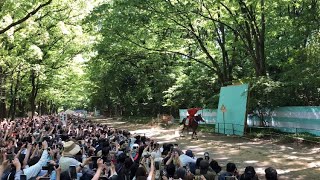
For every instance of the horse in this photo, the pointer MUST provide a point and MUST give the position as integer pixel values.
(193, 124)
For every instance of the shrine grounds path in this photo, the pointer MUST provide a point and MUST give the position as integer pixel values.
(292, 160)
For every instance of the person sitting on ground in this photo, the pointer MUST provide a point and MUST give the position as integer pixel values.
(174, 159)
(181, 173)
(271, 174)
(231, 172)
(205, 170)
(215, 166)
(187, 158)
(249, 174)
(198, 162)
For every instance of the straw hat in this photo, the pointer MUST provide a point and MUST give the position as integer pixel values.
(71, 148)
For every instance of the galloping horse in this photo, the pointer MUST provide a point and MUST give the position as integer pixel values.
(193, 124)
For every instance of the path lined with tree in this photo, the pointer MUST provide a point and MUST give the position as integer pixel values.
(144, 57)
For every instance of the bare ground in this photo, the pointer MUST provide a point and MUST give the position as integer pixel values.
(292, 161)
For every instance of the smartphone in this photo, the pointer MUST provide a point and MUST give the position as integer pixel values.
(108, 162)
(45, 168)
(146, 155)
(73, 172)
(94, 162)
(23, 177)
(171, 148)
(10, 157)
(157, 165)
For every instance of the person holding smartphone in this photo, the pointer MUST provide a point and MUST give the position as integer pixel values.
(17, 165)
(70, 149)
(34, 170)
(104, 166)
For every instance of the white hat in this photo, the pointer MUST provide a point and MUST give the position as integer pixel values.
(135, 146)
(71, 148)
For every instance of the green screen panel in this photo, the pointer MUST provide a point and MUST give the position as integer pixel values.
(233, 100)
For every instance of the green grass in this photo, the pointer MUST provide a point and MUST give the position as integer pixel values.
(282, 137)
(208, 128)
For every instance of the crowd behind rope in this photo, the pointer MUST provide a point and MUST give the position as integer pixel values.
(46, 148)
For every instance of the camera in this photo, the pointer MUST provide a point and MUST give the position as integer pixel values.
(73, 172)
(46, 138)
(206, 156)
(147, 155)
(94, 162)
(23, 177)
(171, 148)
(157, 165)
(49, 167)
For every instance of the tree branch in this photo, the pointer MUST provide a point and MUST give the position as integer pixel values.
(168, 51)
(25, 18)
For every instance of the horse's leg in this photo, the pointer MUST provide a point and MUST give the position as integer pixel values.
(195, 131)
(183, 129)
(192, 135)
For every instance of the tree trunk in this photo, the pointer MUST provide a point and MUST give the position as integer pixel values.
(11, 97)
(254, 33)
(13, 105)
(262, 40)
(34, 92)
(2, 95)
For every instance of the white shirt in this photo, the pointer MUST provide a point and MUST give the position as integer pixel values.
(184, 159)
(65, 162)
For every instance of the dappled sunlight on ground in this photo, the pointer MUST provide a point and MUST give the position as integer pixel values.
(292, 161)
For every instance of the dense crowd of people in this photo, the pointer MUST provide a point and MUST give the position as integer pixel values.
(47, 148)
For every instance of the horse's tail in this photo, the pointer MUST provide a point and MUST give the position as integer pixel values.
(183, 121)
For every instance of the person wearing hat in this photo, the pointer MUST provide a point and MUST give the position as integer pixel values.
(70, 149)
(134, 153)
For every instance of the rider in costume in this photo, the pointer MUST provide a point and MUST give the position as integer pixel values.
(192, 112)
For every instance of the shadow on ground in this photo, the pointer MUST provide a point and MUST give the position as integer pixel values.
(292, 161)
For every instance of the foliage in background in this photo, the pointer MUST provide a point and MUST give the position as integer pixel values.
(273, 45)
(144, 57)
(40, 42)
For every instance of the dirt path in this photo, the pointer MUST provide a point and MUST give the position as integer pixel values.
(291, 160)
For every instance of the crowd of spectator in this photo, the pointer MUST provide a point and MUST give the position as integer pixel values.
(47, 148)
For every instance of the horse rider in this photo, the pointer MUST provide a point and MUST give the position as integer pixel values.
(192, 112)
